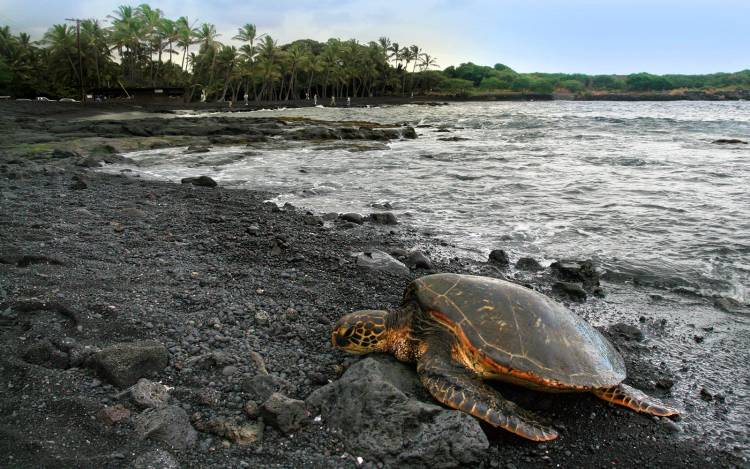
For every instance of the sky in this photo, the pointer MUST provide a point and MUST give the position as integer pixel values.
(586, 36)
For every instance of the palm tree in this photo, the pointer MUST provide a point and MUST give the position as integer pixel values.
(60, 40)
(268, 56)
(6, 41)
(151, 20)
(385, 44)
(206, 36)
(427, 62)
(185, 37)
(296, 57)
(227, 59)
(331, 63)
(125, 35)
(395, 53)
(415, 54)
(94, 45)
(248, 34)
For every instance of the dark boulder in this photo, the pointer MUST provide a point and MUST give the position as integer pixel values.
(197, 149)
(499, 257)
(125, 363)
(584, 272)
(383, 218)
(283, 413)
(352, 217)
(79, 182)
(201, 181)
(529, 264)
(260, 387)
(453, 139)
(729, 141)
(169, 425)
(374, 409)
(419, 260)
(59, 153)
(569, 290)
(409, 132)
(626, 331)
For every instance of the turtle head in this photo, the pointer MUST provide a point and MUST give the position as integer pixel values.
(361, 332)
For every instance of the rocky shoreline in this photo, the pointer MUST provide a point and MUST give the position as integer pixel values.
(148, 324)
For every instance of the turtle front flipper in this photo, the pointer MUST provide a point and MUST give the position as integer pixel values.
(634, 399)
(459, 388)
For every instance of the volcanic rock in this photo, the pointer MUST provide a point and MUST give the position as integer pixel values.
(499, 257)
(573, 291)
(576, 271)
(529, 264)
(627, 331)
(373, 408)
(383, 218)
(381, 261)
(123, 364)
(169, 425)
(419, 260)
(201, 181)
(352, 217)
(283, 413)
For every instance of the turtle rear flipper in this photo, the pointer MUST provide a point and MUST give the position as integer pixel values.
(459, 388)
(634, 399)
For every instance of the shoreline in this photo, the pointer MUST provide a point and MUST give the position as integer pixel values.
(12, 108)
(214, 270)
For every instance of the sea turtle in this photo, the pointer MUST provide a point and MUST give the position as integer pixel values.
(463, 329)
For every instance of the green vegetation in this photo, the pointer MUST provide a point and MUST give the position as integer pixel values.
(140, 47)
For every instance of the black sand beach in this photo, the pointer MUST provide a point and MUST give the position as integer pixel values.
(227, 299)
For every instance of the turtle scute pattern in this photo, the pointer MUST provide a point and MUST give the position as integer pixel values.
(521, 329)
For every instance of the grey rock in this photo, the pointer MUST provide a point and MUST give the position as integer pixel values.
(89, 162)
(671, 426)
(211, 360)
(419, 260)
(352, 217)
(627, 331)
(728, 305)
(79, 182)
(499, 257)
(381, 261)
(584, 272)
(169, 425)
(283, 413)
(197, 149)
(383, 218)
(529, 264)
(260, 387)
(236, 430)
(201, 181)
(570, 290)
(409, 132)
(374, 408)
(125, 363)
(156, 459)
(58, 153)
(149, 394)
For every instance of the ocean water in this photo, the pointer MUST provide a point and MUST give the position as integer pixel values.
(639, 187)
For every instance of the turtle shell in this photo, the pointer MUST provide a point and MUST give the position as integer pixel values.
(518, 330)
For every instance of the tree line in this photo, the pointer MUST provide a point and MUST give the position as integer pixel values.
(469, 77)
(141, 47)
